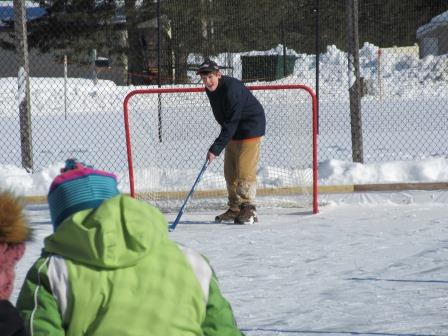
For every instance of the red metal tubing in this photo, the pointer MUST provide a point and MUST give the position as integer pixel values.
(201, 89)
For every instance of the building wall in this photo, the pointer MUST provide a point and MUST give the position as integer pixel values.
(44, 65)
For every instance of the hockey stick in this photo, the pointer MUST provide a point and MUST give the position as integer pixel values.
(182, 209)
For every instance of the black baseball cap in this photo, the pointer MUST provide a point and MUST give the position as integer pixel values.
(207, 66)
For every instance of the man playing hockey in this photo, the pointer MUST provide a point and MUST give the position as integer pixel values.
(243, 124)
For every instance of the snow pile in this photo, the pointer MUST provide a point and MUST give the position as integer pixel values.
(402, 72)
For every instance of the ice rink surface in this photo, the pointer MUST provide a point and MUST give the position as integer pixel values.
(367, 264)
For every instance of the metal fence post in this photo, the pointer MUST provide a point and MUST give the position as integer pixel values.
(65, 86)
(93, 66)
(317, 46)
(159, 69)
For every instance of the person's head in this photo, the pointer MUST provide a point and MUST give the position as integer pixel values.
(14, 231)
(79, 187)
(210, 74)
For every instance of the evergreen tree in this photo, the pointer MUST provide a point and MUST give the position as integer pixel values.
(210, 27)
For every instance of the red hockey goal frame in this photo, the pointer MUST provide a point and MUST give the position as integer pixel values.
(250, 87)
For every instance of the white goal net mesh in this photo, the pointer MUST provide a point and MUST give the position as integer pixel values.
(170, 133)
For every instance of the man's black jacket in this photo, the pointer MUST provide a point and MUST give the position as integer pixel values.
(239, 113)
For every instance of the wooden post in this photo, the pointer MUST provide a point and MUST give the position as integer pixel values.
(122, 57)
(380, 83)
(354, 80)
(26, 141)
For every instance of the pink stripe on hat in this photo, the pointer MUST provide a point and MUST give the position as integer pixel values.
(77, 173)
(79, 187)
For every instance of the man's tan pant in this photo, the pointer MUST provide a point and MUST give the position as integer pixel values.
(240, 171)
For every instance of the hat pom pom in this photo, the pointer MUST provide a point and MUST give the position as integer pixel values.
(72, 164)
(13, 222)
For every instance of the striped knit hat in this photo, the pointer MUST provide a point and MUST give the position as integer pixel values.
(77, 188)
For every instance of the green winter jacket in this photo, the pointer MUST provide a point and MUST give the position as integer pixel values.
(114, 271)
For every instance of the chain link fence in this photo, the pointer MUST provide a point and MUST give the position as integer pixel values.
(65, 68)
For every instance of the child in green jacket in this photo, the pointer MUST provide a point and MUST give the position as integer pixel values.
(109, 268)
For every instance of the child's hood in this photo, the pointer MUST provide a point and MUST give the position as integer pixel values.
(117, 234)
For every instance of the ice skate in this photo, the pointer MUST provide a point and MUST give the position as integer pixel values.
(228, 216)
(247, 215)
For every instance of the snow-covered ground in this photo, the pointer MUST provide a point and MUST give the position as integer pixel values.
(371, 263)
